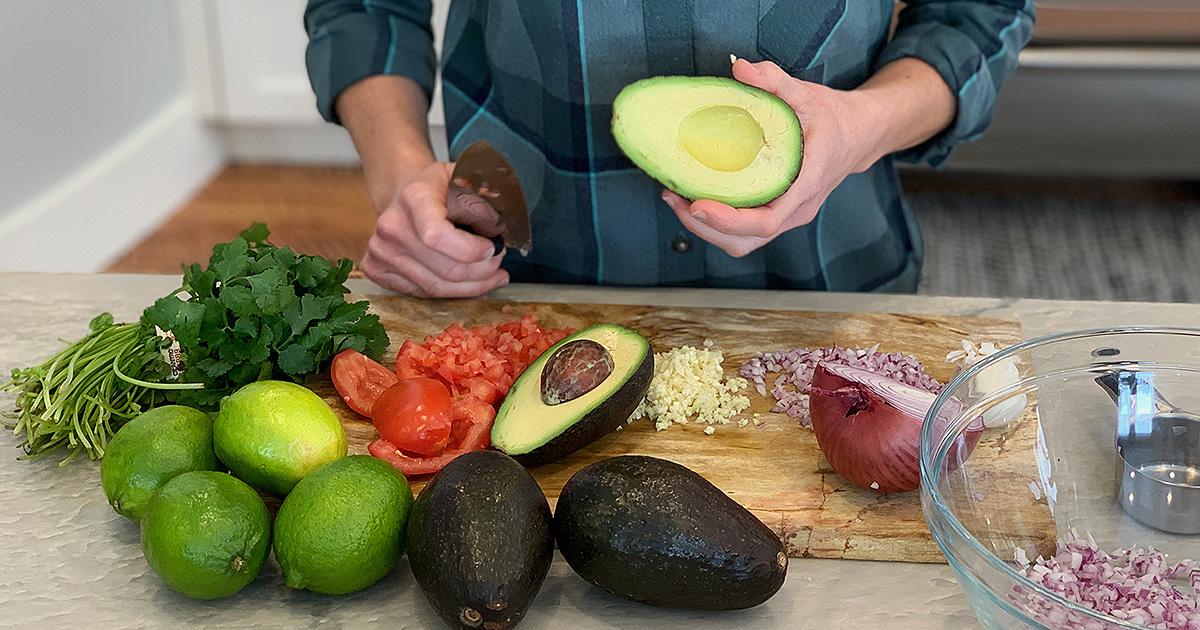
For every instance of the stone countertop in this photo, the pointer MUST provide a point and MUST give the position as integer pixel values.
(69, 560)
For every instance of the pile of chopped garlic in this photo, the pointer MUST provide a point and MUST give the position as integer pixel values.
(689, 385)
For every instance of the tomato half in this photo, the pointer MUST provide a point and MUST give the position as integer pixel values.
(359, 380)
(414, 415)
(472, 429)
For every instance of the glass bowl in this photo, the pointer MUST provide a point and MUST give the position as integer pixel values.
(1089, 433)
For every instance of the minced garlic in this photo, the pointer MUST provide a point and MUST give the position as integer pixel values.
(689, 385)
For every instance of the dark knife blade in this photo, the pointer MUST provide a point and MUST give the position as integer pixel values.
(485, 198)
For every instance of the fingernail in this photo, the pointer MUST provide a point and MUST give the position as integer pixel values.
(754, 69)
(699, 216)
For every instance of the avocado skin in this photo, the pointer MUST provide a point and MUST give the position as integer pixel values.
(654, 531)
(480, 538)
(613, 412)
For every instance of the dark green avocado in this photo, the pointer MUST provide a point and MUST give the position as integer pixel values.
(579, 390)
(479, 541)
(656, 532)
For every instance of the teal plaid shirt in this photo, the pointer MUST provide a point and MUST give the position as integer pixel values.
(537, 78)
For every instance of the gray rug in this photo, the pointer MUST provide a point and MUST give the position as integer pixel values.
(1082, 247)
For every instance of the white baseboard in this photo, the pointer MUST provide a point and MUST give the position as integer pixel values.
(92, 217)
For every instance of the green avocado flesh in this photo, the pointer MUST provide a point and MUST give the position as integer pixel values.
(710, 138)
(535, 432)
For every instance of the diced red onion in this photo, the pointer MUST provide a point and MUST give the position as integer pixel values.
(1137, 585)
(795, 368)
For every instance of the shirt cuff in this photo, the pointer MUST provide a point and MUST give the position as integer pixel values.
(354, 46)
(962, 66)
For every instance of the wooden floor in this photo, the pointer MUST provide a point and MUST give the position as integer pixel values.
(325, 211)
(321, 211)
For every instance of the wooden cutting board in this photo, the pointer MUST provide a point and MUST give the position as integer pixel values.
(775, 469)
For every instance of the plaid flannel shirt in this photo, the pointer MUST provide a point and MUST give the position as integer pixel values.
(537, 79)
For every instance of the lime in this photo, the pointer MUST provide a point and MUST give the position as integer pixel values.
(272, 433)
(342, 528)
(206, 534)
(150, 450)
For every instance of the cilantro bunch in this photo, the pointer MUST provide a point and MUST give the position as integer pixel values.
(256, 312)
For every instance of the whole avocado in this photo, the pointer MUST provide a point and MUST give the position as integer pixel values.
(656, 532)
(479, 541)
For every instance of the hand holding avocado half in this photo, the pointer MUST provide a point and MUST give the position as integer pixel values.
(845, 132)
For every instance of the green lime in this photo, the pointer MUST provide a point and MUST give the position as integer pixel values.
(150, 450)
(206, 534)
(342, 528)
(272, 433)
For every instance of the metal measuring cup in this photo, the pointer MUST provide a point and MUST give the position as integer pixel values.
(1158, 454)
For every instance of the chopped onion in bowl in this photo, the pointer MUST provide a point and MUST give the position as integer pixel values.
(795, 367)
(1134, 585)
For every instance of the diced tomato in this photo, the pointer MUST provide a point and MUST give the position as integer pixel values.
(359, 380)
(414, 415)
(470, 431)
(479, 366)
(464, 359)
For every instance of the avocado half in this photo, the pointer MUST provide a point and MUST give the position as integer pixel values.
(710, 138)
(534, 432)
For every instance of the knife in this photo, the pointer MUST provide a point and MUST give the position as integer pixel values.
(484, 197)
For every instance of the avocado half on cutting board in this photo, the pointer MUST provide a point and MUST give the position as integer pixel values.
(710, 138)
(579, 390)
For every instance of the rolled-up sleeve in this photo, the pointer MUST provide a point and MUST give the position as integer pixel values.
(350, 40)
(973, 44)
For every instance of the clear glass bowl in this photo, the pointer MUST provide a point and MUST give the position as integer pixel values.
(1055, 466)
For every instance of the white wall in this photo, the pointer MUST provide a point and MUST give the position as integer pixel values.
(92, 112)
(78, 76)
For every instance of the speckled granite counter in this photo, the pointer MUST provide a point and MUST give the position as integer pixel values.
(70, 561)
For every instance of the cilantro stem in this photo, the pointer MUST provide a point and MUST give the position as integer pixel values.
(78, 397)
(147, 384)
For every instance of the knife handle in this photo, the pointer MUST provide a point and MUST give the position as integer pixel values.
(497, 241)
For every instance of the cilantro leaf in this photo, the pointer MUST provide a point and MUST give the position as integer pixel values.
(297, 360)
(180, 318)
(256, 233)
(260, 311)
(272, 290)
(239, 300)
(312, 271)
(230, 260)
(100, 322)
(307, 309)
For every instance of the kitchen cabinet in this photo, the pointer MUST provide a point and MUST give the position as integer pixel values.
(244, 66)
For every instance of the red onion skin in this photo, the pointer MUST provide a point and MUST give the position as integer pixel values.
(868, 441)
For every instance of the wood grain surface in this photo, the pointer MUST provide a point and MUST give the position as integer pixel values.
(776, 468)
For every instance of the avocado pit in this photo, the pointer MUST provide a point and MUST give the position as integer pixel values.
(721, 137)
(575, 369)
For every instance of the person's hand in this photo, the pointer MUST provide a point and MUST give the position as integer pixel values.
(834, 147)
(844, 132)
(417, 250)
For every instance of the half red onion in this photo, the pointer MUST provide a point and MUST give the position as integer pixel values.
(869, 427)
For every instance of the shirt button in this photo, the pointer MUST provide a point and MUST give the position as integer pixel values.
(681, 245)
